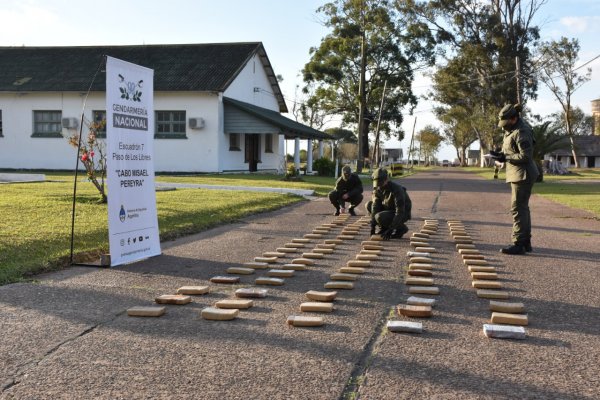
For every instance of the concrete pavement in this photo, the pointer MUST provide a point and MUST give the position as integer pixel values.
(66, 335)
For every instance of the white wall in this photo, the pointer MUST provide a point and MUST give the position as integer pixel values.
(204, 150)
(198, 153)
(18, 149)
(253, 76)
(242, 88)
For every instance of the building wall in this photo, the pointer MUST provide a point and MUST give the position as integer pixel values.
(203, 150)
(250, 77)
(198, 152)
(18, 149)
(252, 86)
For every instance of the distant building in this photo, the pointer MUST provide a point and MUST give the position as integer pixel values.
(473, 158)
(587, 149)
(390, 156)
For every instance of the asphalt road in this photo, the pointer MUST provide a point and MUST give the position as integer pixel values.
(67, 335)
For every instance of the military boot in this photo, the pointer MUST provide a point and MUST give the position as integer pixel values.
(528, 247)
(351, 211)
(514, 249)
(400, 232)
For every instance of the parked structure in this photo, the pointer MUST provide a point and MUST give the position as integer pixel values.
(217, 106)
(587, 149)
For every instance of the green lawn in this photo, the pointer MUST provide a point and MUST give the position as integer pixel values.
(36, 218)
(580, 189)
(321, 185)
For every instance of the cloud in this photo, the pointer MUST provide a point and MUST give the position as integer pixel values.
(585, 24)
(25, 22)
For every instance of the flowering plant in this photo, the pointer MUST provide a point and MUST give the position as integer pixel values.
(92, 154)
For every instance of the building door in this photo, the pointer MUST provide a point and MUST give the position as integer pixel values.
(591, 162)
(252, 156)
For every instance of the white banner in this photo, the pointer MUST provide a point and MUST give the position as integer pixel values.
(132, 218)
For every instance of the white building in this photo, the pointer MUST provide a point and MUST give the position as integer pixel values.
(217, 106)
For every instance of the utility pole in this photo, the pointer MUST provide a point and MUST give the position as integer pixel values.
(361, 99)
(410, 147)
(518, 78)
(376, 147)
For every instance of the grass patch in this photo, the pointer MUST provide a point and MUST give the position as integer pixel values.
(571, 190)
(322, 185)
(35, 227)
(583, 196)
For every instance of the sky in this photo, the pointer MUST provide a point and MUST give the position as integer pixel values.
(287, 28)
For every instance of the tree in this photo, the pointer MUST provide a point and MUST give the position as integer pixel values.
(92, 154)
(547, 139)
(581, 123)
(309, 109)
(430, 140)
(303, 156)
(340, 137)
(458, 130)
(367, 46)
(486, 46)
(559, 74)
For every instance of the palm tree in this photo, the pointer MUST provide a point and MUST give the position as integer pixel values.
(547, 139)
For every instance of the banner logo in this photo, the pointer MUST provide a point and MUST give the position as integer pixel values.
(129, 90)
(122, 214)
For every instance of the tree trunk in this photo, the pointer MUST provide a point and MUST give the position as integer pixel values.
(573, 151)
(363, 133)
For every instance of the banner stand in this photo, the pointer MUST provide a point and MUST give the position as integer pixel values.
(71, 263)
(132, 216)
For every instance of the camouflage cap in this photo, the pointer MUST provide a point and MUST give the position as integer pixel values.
(379, 177)
(507, 113)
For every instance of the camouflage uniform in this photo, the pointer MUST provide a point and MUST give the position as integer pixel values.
(350, 184)
(390, 207)
(521, 173)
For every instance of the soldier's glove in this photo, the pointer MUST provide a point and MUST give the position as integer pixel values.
(498, 156)
(387, 234)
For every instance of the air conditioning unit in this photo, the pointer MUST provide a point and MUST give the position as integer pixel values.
(69, 123)
(196, 123)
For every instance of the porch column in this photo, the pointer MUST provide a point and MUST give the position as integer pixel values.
(309, 157)
(297, 153)
(332, 155)
(320, 148)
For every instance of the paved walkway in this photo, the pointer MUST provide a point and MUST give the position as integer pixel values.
(6, 177)
(67, 335)
(299, 192)
(18, 178)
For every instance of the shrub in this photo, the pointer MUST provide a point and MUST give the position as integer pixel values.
(324, 167)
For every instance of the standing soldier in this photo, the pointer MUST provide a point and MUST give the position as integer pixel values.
(521, 173)
(390, 207)
(348, 188)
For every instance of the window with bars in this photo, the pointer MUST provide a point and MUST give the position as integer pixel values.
(99, 116)
(169, 125)
(269, 143)
(234, 142)
(47, 124)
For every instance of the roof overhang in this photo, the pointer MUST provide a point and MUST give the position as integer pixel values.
(287, 127)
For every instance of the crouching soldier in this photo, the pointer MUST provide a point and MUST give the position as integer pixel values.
(348, 188)
(390, 207)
